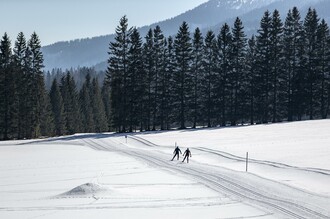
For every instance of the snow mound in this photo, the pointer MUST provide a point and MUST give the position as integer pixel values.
(86, 189)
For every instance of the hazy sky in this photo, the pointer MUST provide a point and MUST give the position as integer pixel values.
(58, 20)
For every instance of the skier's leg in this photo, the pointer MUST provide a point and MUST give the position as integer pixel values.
(173, 157)
(184, 159)
(177, 156)
(187, 159)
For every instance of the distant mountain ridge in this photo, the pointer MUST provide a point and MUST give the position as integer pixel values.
(210, 15)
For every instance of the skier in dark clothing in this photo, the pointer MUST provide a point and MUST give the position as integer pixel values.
(176, 153)
(186, 154)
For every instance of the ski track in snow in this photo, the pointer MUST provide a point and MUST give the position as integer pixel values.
(238, 158)
(231, 184)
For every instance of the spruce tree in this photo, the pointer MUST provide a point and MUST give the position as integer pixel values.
(251, 59)
(293, 47)
(149, 66)
(137, 85)
(98, 110)
(57, 109)
(22, 89)
(182, 76)
(7, 87)
(117, 74)
(223, 96)
(169, 86)
(238, 69)
(208, 78)
(158, 48)
(85, 99)
(263, 84)
(278, 87)
(311, 61)
(323, 54)
(197, 71)
(36, 79)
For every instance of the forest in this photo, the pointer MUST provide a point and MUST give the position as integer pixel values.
(184, 81)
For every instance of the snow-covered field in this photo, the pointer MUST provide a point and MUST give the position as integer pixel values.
(109, 176)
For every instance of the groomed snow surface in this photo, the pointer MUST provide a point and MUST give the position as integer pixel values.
(110, 176)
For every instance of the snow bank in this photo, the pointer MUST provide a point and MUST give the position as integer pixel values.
(86, 189)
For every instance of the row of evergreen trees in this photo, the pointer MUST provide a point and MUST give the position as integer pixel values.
(29, 110)
(282, 73)
(24, 100)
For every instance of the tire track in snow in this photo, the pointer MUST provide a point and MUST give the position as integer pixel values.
(223, 183)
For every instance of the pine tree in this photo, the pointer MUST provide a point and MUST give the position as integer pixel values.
(278, 86)
(263, 70)
(238, 69)
(168, 84)
(208, 78)
(293, 45)
(99, 117)
(85, 99)
(158, 53)
(251, 59)
(310, 30)
(197, 71)
(182, 76)
(71, 104)
(57, 109)
(323, 54)
(7, 87)
(22, 89)
(117, 74)
(137, 85)
(149, 62)
(223, 95)
(107, 102)
(35, 65)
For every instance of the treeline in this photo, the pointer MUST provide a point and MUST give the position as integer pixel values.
(281, 73)
(189, 80)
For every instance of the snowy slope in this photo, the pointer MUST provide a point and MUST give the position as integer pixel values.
(110, 176)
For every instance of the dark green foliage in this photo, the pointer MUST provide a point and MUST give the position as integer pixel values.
(117, 74)
(208, 80)
(182, 74)
(57, 109)
(99, 116)
(86, 107)
(223, 106)
(197, 74)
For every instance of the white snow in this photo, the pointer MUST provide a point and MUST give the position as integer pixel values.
(102, 176)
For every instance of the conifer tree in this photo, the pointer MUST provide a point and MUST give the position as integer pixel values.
(85, 99)
(208, 78)
(22, 89)
(278, 86)
(310, 30)
(57, 109)
(182, 76)
(263, 70)
(293, 47)
(149, 67)
(100, 120)
(323, 54)
(197, 73)
(223, 95)
(251, 59)
(71, 103)
(168, 84)
(117, 74)
(7, 88)
(137, 85)
(238, 69)
(35, 65)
